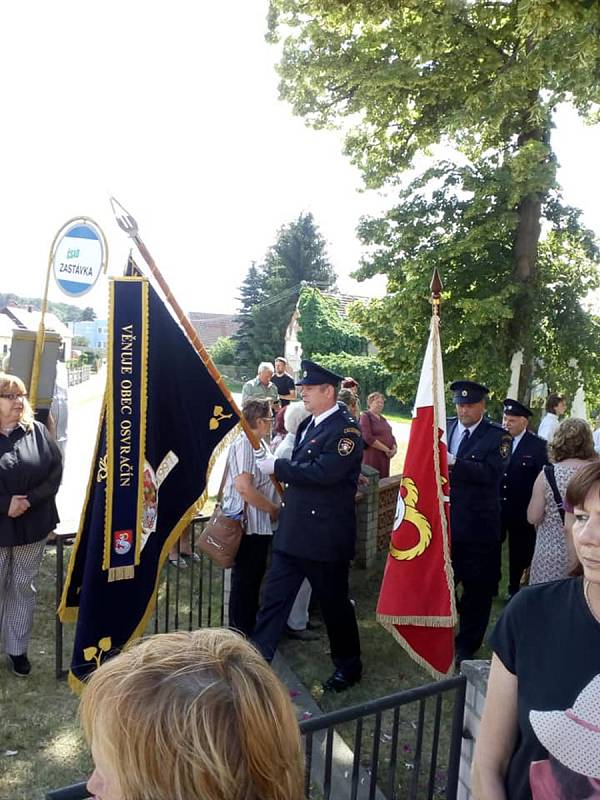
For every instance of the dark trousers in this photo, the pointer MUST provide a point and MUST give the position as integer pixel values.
(246, 578)
(329, 581)
(521, 544)
(476, 566)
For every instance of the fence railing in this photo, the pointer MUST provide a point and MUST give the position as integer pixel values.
(190, 598)
(78, 375)
(406, 746)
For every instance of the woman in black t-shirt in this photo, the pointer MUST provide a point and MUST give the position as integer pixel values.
(546, 651)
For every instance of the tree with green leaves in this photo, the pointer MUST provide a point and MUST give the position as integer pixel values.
(298, 256)
(223, 351)
(323, 329)
(484, 77)
(251, 293)
(87, 315)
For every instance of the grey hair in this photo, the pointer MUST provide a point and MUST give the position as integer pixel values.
(265, 365)
(293, 416)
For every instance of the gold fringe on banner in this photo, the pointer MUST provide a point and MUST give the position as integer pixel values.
(121, 573)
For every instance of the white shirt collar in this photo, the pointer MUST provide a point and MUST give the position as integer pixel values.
(471, 428)
(325, 414)
(517, 439)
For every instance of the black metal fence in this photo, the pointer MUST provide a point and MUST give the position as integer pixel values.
(405, 746)
(189, 597)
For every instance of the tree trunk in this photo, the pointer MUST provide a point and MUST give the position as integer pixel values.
(527, 237)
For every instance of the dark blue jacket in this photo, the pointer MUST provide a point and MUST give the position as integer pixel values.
(524, 466)
(475, 483)
(317, 518)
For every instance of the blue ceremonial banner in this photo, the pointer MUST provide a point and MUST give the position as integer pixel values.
(163, 421)
(126, 419)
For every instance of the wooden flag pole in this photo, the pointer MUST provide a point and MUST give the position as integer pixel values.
(128, 224)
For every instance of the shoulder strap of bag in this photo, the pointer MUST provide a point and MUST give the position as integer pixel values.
(223, 479)
(551, 478)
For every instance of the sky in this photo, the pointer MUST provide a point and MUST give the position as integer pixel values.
(173, 109)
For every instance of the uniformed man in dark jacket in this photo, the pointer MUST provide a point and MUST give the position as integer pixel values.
(317, 525)
(478, 452)
(528, 455)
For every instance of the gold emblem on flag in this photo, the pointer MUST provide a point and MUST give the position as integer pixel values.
(406, 511)
(102, 470)
(217, 417)
(96, 653)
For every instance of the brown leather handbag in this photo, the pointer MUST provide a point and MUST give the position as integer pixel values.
(221, 537)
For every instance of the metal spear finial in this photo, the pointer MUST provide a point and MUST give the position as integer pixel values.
(436, 287)
(124, 219)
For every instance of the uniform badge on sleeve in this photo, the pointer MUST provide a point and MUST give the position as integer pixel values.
(345, 446)
(505, 446)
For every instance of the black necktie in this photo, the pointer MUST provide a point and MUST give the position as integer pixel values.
(463, 442)
(309, 428)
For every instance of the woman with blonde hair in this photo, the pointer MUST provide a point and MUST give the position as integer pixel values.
(30, 473)
(571, 448)
(191, 716)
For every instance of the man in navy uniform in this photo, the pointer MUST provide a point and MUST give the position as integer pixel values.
(478, 452)
(529, 454)
(317, 525)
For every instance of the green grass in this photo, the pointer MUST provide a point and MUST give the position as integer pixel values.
(397, 418)
(234, 386)
(38, 720)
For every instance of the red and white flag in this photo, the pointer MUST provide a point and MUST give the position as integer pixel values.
(416, 600)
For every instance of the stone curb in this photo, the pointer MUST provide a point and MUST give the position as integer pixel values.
(342, 755)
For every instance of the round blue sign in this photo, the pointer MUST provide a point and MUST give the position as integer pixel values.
(79, 257)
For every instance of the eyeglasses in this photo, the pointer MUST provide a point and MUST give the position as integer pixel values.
(12, 396)
(267, 419)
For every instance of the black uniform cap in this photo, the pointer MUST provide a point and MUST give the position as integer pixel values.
(467, 392)
(312, 374)
(512, 408)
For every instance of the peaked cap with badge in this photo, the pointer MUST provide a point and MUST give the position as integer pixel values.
(313, 374)
(512, 408)
(464, 392)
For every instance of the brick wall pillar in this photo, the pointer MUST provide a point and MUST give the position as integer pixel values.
(367, 511)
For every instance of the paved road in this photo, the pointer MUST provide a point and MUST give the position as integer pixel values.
(85, 400)
(84, 410)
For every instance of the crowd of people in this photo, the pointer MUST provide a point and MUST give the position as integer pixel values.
(228, 721)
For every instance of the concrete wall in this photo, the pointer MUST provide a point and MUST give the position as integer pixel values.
(477, 674)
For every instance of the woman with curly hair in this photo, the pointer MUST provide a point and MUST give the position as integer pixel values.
(571, 448)
(191, 716)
